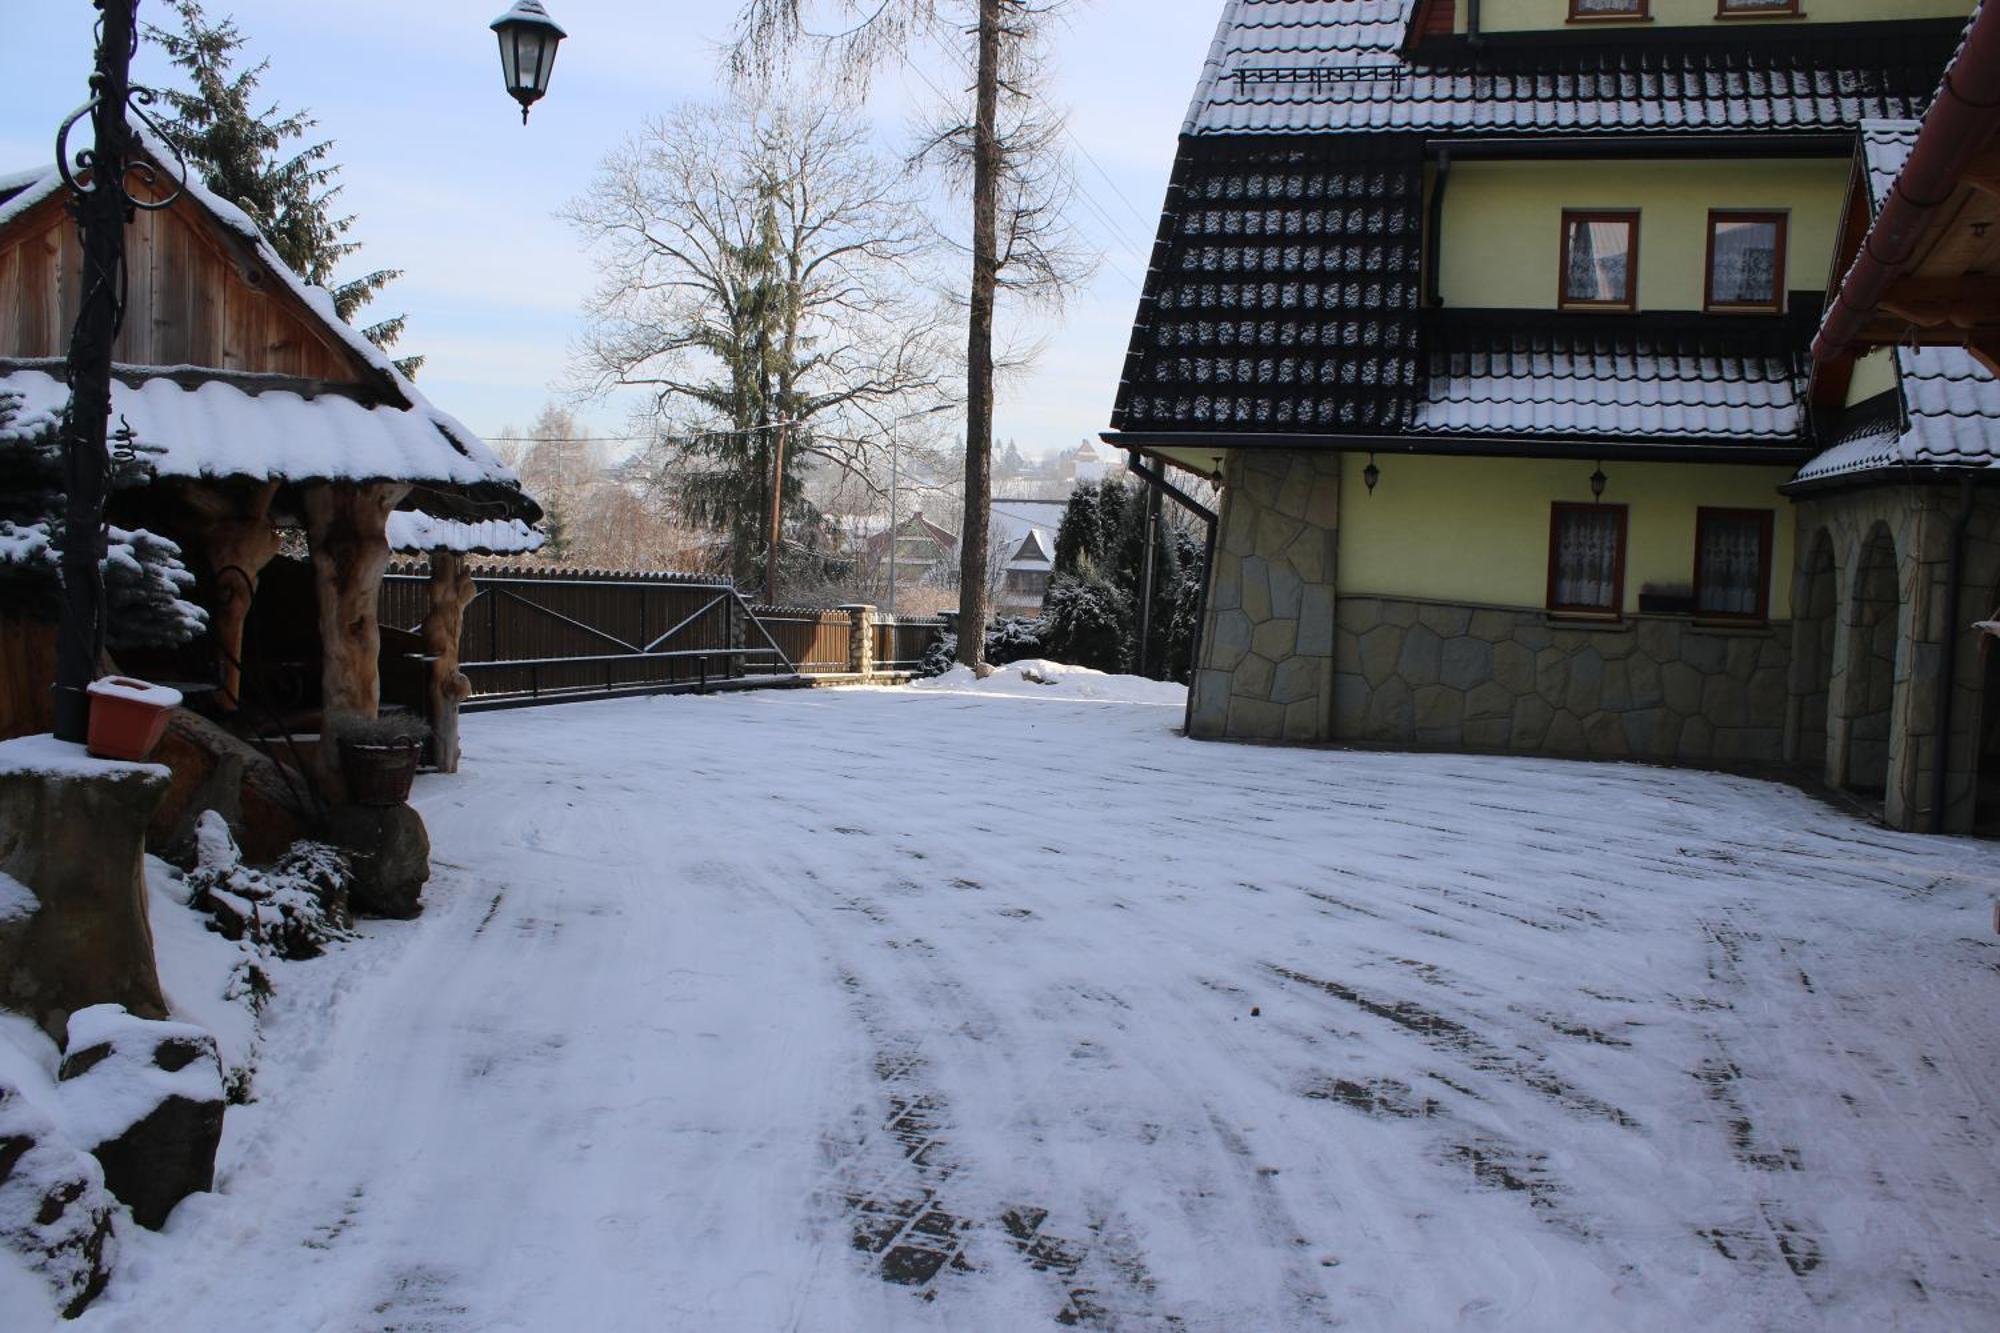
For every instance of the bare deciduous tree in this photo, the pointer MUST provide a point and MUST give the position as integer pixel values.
(762, 281)
(1001, 146)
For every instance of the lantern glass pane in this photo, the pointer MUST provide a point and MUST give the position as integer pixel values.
(530, 75)
(509, 64)
(548, 63)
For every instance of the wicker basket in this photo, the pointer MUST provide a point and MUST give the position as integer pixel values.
(379, 774)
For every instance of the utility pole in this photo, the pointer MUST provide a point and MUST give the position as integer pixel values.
(777, 515)
(101, 209)
(895, 461)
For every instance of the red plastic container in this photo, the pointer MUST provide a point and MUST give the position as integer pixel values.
(128, 717)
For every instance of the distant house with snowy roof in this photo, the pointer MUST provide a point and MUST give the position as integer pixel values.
(259, 412)
(1024, 544)
(919, 549)
(1494, 321)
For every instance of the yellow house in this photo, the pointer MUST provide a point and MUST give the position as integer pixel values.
(1492, 322)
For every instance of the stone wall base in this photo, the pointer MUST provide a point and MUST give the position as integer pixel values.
(1649, 687)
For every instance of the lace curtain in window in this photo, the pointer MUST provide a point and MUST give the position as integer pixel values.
(1732, 565)
(1587, 558)
(1745, 259)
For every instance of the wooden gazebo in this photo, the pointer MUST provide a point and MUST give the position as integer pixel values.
(260, 412)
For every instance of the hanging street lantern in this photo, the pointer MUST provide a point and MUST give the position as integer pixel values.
(528, 39)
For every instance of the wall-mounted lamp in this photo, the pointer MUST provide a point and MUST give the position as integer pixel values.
(1597, 480)
(1371, 474)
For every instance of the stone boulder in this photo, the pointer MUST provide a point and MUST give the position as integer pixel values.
(72, 850)
(214, 769)
(388, 854)
(54, 1211)
(146, 1098)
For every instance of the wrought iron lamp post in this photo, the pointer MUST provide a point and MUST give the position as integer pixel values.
(107, 182)
(528, 41)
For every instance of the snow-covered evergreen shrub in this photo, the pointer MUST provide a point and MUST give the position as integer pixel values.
(145, 582)
(1014, 639)
(292, 910)
(939, 657)
(1085, 617)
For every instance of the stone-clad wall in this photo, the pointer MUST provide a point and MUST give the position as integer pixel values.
(1652, 687)
(1266, 669)
(1847, 647)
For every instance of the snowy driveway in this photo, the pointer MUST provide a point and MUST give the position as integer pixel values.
(869, 1010)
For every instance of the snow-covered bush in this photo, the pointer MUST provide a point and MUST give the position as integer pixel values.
(1085, 615)
(292, 909)
(145, 582)
(1011, 640)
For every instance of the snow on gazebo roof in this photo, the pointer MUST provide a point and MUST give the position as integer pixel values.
(231, 426)
(413, 531)
(210, 423)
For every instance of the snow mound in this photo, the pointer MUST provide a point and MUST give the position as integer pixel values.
(1039, 678)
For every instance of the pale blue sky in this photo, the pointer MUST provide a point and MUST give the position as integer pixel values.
(448, 186)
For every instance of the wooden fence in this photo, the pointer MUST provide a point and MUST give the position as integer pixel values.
(816, 642)
(534, 633)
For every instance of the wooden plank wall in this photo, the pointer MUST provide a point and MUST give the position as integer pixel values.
(195, 296)
(27, 677)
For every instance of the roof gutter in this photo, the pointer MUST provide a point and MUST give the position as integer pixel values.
(1474, 446)
(1721, 143)
(1955, 130)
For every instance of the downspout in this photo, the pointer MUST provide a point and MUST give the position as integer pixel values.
(1948, 669)
(1472, 36)
(1434, 241)
(1158, 483)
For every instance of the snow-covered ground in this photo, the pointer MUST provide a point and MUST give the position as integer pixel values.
(980, 1008)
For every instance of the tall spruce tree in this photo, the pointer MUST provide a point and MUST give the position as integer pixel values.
(264, 161)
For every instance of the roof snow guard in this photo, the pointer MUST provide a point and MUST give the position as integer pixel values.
(1285, 293)
(1305, 66)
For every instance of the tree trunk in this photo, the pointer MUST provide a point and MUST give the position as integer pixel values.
(451, 591)
(975, 554)
(238, 540)
(347, 528)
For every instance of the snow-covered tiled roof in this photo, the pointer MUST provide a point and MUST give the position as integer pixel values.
(1952, 407)
(218, 429)
(412, 530)
(1885, 147)
(1301, 66)
(1638, 390)
(1013, 521)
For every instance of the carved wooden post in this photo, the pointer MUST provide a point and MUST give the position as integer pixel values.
(451, 592)
(347, 528)
(239, 540)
